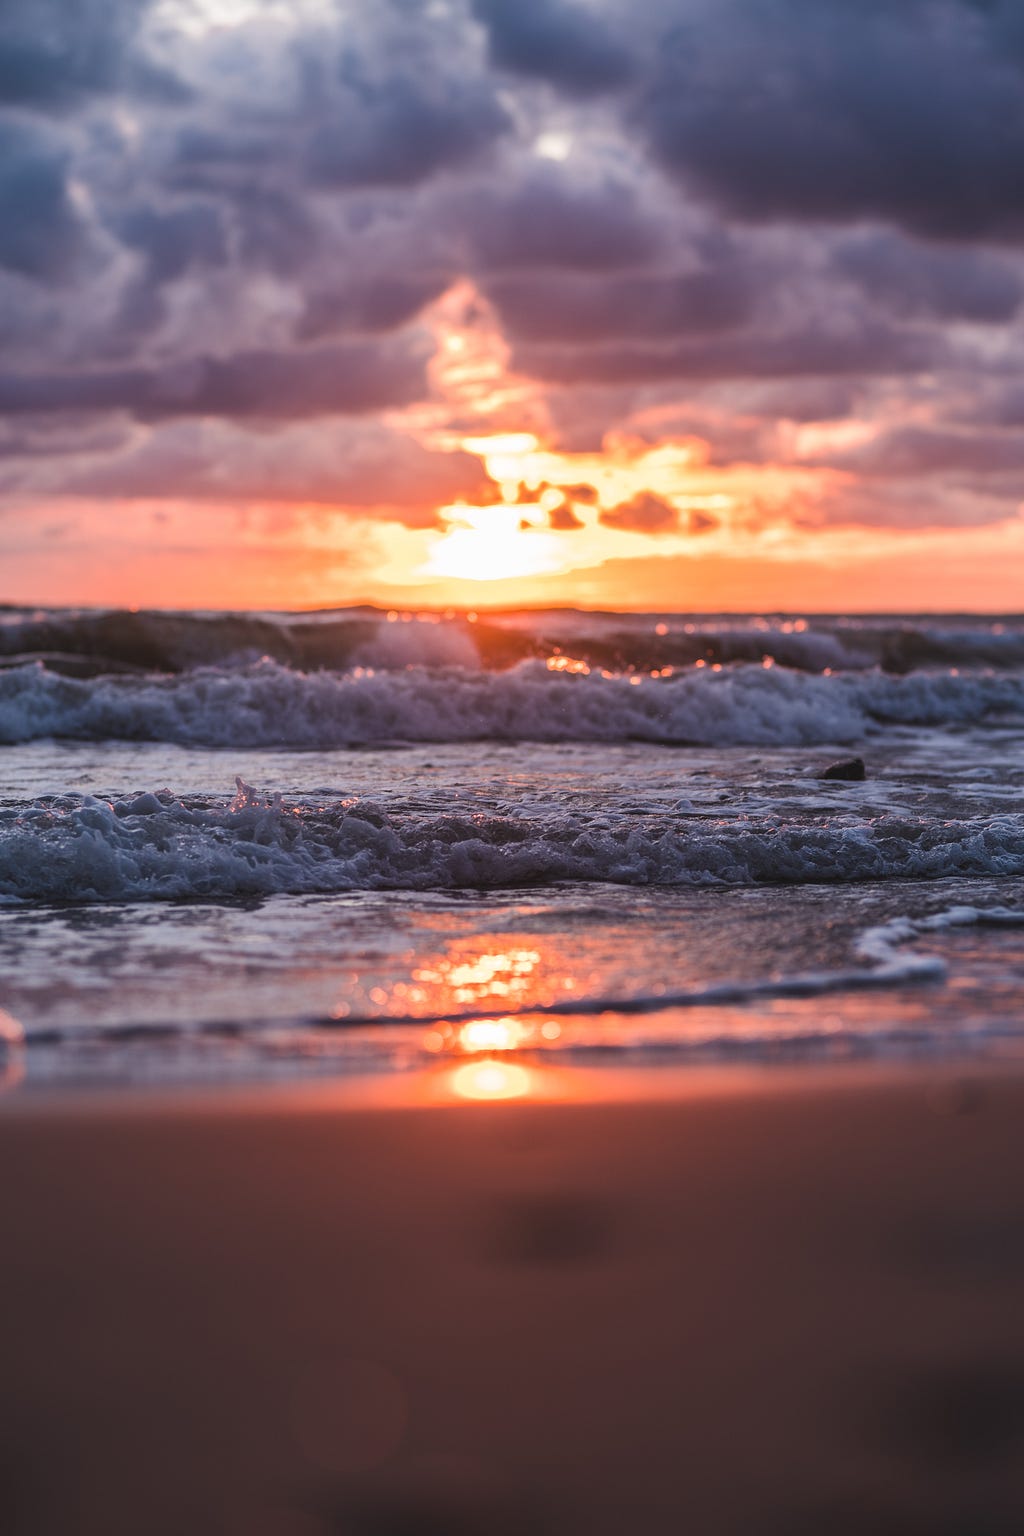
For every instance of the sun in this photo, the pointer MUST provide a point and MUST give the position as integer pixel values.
(490, 544)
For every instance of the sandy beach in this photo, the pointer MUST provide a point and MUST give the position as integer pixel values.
(708, 1301)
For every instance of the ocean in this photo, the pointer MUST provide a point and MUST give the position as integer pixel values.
(264, 846)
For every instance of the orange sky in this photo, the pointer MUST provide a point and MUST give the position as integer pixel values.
(646, 521)
(976, 571)
(175, 554)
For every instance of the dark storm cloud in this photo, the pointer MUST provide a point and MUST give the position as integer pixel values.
(1002, 408)
(276, 231)
(354, 466)
(548, 220)
(795, 399)
(56, 53)
(347, 378)
(52, 52)
(372, 304)
(558, 308)
(829, 110)
(225, 158)
(400, 131)
(935, 503)
(52, 438)
(244, 223)
(863, 350)
(645, 513)
(40, 232)
(948, 282)
(176, 239)
(916, 451)
(380, 98)
(567, 45)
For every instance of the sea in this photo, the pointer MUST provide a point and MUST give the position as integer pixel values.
(361, 844)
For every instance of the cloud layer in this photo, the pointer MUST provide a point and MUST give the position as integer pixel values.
(793, 230)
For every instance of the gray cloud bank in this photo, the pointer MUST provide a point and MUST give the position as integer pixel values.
(209, 232)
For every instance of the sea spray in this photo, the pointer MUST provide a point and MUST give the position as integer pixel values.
(267, 704)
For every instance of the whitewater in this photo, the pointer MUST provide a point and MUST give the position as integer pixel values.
(255, 842)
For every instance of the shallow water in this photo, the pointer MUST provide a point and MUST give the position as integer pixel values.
(342, 908)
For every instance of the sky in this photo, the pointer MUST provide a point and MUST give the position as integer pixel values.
(664, 304)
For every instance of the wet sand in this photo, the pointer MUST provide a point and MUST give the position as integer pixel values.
(709, 1302)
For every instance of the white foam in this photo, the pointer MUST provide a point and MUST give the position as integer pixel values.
(396, 646)
(156, 847)
(883, 944)
(269, 705)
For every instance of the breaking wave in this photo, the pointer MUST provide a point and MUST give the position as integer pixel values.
(86, 643)
(267, 704)
(155, 847)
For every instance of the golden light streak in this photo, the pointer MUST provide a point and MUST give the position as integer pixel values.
(470, 376)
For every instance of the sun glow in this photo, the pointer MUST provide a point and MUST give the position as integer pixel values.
(490, 543)
(504, 444)
(491, 1080)
(491, 1035)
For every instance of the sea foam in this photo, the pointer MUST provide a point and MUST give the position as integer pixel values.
(153, 846)
(267, 704)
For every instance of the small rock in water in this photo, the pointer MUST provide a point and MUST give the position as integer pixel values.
(849, 768)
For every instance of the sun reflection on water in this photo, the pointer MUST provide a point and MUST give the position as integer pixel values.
(504, 974)
(491, 1073)
(491, 1035)
(12, 1060)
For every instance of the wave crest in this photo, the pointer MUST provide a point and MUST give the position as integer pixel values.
(87, 643)
(270, 705)
(155, 847)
